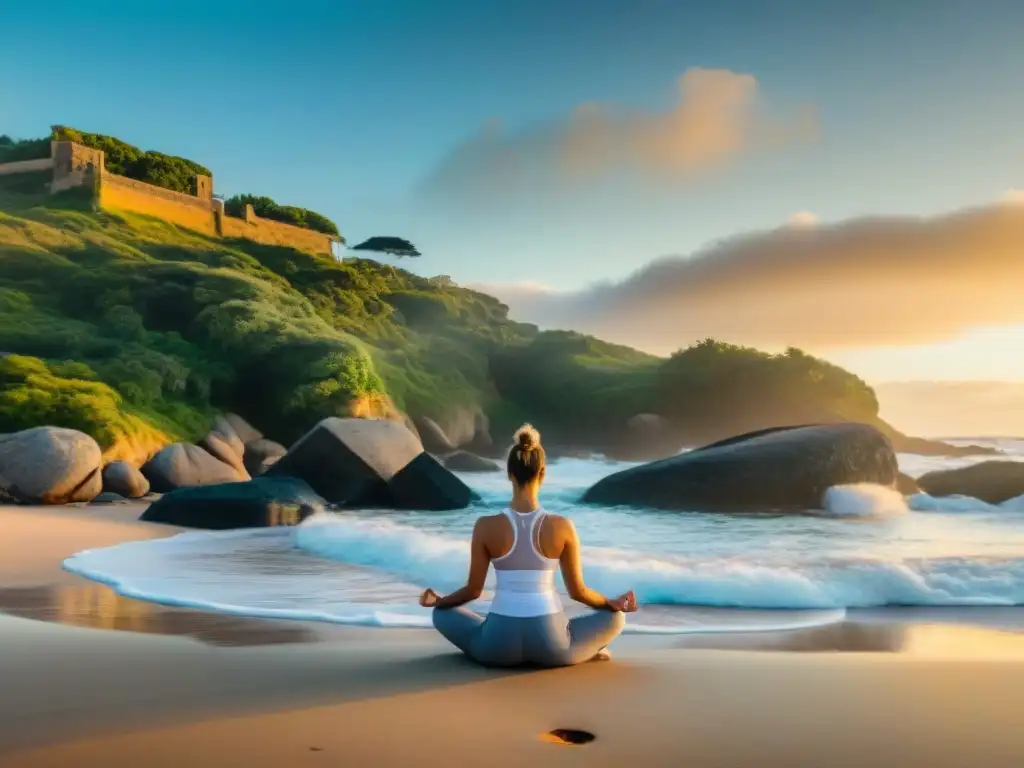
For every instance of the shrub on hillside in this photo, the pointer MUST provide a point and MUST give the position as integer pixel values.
(156, 168)
(266, 208)
(33, 393)
(712, 384)
(14, 150)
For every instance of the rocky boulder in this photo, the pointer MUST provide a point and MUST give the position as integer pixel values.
(482, 443)
(182, 465)
(990, 481)
(647, 436)
(121, 478)
(432, 436)
(245, 431)
(224, 449)
(261, 455)
(50, 465)
(464, 461)
(265, 501)
(364, 462)
(906, 485)
(222, 429)
(787, 468)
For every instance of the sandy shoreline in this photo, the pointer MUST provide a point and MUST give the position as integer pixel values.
(190, 687)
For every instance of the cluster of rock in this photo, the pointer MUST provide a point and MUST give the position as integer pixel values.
(466, 455)
(340, 462)
(235, 477)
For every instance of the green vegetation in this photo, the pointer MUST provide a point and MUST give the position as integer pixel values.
(718, 389)
(175, 173)
(120, 325)
(12, 150)
(394, 246)
(266, 208)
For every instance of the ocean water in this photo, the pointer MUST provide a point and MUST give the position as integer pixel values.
(692, 572)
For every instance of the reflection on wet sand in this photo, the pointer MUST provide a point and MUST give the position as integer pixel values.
(921, 639)
(97, 606)
(845, 636)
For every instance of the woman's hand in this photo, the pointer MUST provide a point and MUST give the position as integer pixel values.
(429, 598)
(624, 603)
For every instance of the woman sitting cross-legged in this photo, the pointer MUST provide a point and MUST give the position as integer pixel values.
(526, 545)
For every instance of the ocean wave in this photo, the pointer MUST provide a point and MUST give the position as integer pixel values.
(736, 582)
(863, 500)
(202, 571)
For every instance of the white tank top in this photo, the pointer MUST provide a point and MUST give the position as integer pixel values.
(525, 578)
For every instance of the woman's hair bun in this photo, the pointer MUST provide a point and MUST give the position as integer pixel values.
(527, 437)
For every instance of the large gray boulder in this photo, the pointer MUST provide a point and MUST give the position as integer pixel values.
(261, 455)
(223, 449)
(646, 437)
(245, 431)
(464, 461)
(365, 462)
(183, 465)
(990, 481)
(50, 465)
(121, 478)
(787, 468)
(265, 501)
(432, 436)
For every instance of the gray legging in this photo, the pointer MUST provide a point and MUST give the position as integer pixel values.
(544, 641)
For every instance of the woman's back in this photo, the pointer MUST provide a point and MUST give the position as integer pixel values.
(525, 574)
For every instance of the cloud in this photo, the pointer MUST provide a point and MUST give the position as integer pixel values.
(717, 117)
(802, 219)
(1014, 196)
(867, 282)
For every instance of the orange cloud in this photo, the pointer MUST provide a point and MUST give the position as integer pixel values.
(876, 281)
(717, 117)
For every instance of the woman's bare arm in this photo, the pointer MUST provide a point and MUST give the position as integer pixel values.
(479, 562)
(572, 571)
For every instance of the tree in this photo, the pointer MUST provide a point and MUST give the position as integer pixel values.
(395, 246)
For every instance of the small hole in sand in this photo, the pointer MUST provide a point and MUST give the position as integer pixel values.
(568, 736)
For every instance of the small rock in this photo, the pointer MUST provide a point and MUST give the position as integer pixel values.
(121, 478)
(108, 497)
(464, 461)
(261, 454)
(182, 465)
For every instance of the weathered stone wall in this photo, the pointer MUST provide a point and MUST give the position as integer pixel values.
(26, 166)
(121, 193)
(268, 232)
(75, 165)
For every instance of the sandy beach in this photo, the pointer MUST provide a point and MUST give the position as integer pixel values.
(185, 687)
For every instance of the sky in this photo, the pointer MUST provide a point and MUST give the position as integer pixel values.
(842, 176)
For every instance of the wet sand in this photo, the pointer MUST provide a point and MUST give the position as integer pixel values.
(90, 678)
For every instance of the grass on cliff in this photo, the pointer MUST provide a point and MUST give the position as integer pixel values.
(124, 325)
